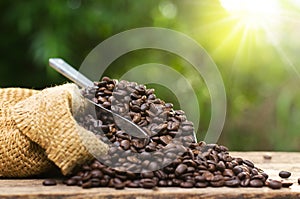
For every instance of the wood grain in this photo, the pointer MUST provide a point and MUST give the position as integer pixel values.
(33, 188)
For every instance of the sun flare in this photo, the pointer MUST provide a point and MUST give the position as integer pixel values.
(252, 13)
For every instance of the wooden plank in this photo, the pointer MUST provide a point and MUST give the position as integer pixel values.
(33, 188)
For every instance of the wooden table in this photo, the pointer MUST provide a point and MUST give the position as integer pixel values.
(33, 188)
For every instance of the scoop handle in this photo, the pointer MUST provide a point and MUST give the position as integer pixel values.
(68, 71)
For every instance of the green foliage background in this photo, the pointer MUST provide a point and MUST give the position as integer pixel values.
(263, 109)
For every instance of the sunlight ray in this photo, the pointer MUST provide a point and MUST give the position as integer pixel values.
(283, 56)
(231, 36)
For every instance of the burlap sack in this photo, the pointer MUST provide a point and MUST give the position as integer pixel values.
(40, 130)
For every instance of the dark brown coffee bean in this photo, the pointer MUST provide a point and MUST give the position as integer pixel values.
(237, 170)
(186, 185)
(71, 182)
(211, 167)
(133, 185)
(87, 184)
(267, 156)
(165, 139)
(245, 182)
(148, 183)
(201, 184)
(208, 176)
(76, 178)
(149, 174)
(125, 144)
(136, 118)
(96, 173)
(228, 172)
(248, 163)
(274, 184)
(86, 176)
(220, 166)
(256, 183)
(160, 174)
(286, 184)
(108, 171)
(162, 183)
(200, 179)
(138, 144)
(284, 174)
(235, 182)
(189, 162)
(217, 183)
(180, 169)
(110, 183)
(49, 182)
(169, 183)
(96, 164)
(190, 170)
(86, 168)
(95, 182)
(299, 181)
(176, 182)
(265, 175)
(217, 178)
(258, 176)
(172, 175)
(119, 185)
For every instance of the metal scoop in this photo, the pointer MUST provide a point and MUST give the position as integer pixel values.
(68, 71)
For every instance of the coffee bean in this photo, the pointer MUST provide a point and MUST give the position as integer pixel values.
(267, 156)
(87, 184)
(71, 182)
(228, 172)
(108, 171)
(245, 182)
(172, 175)
(200, 178)
(95, 182)
(162, 183)
(180, 169)
(286, 184)
(265, 175)
(186, 185)
(220, 166)
(201, 184)
(217, 183)
(96, 173)
(208, 176)
(119, 185)
(258, 176)
(49, 182)
(76, 178)
(148, 183)
(274, 184)
(125, 144)
(284, 174)
(133, 185)
(176, 182)
(235, 182)
(248, 163)
(149, 174)
(299, 181)
(160, 174)
(237, 170)
(256, 183)
(243, 175)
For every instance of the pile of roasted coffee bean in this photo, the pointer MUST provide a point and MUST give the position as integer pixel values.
(183, 163)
